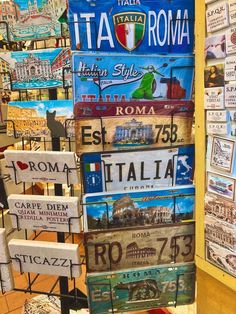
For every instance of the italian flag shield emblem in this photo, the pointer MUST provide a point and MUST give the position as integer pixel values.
(129, 29)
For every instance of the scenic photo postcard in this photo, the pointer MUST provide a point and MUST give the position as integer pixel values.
(31, 20)
(138, 26)
(107, 78)
(137, 169)
(34, 69)
(141, 289)
(127, 209)
(40, 118)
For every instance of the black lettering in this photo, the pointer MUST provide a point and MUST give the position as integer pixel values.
(157, 162)
(53, 169)
(169, 169)
(142, 172)
(119, 255)
(84, 135)
(54, 262)
(46, 261)
(64, 262)
(108, 173)
(42, 166)
(100, 253)
(131, 173)
(35, 260)
(32, 166)
(97, 137)
(120, 165)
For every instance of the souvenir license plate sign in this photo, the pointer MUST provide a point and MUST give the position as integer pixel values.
(133, 132)
(143, 246)
(136, 170)
(39, 118)
(221, 257)
(44, 212)
(36, 20)
(42, 166)
(42, 257)
(119, 210)
(34, 69)
(107, 78)
(132, 26)
(140, 289)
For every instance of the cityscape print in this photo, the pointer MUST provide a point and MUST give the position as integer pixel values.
(34, 69)
(118, 210)
(31, 19)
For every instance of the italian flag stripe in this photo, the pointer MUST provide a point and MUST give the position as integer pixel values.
(138, 33)
(130, 35)
(92, 167)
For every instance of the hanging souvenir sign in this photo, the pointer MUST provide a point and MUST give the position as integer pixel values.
(217, 115)
(221, 257)
(106, 78)
(220, 208)
(132, 26)
(133, 132)
(30, 20)
(221, 185)
(6, 278)
(230, 66)
(142, 246)
(217, 16)
(215, 47)
(218, 128)
(141, 289)
(232, 11)
(220, 232)
(42, 166)
(133, 108)
(230, 95)
(231, 40)
(222, 153)
(51, 213)
(119, 210)
(40, 118)
(42, 257)
(137, 170)
(214, 75)
(34, 69)
(214, 98)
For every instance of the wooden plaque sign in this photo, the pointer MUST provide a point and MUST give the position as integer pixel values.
(51, 213)
(140, 289)
(43, 257)
(42, 166)
(143, 246)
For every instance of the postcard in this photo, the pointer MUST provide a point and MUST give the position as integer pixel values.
(214, 98)
(137, 170)
(133, 132)
(221, 185)
(222, 154)
(214, 75)
(128, 26)
(218, 128)
(217, 115)
(221, 257)
(217, 16)
(34, 69)
(230, 95)
(141, 246)
(127, 209)
(220, 208)
(40, 118)
(231, 40)
(42, 166)
(232, 11)
(141, 288)
(109, 79)
(220, 232)
(215, 47)
(32, 20)
(230, 65)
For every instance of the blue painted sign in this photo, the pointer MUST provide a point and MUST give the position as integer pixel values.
(128, 209)
(139, 26)
(137, 170)
(113, 78)
(141, 288)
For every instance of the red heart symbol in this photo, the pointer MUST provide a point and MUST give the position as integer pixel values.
(22, 165)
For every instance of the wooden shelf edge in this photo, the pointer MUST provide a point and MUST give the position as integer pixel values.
(216, 273)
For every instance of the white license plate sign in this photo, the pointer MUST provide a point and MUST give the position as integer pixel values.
(51, 213)
(42, 166)
(43, 257)
(136, 170)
